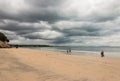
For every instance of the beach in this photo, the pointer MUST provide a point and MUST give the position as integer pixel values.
(24, 64)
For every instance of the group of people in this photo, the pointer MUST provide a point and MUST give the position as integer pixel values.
(69, 51)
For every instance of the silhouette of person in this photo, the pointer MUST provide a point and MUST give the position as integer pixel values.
(69, 50)
(102, 53)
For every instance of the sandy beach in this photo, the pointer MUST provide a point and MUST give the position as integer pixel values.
(41, 65)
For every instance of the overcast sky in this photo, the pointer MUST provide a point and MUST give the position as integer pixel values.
(61, 22)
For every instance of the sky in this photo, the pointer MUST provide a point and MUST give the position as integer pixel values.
(61, 22)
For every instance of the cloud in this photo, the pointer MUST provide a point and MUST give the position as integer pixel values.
(20, 27)
(31, 10)
(64, 22)
(71, 28)
(47, 35)
(52, 11)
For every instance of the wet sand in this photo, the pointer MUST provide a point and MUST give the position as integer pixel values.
(40, 65)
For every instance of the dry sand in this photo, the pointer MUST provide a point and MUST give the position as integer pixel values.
(40, 65)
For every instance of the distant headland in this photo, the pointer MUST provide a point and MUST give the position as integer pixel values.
(24, 45)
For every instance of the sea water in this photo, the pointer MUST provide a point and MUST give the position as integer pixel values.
(86, 50)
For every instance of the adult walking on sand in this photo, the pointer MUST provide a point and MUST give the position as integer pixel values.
(102, 53)
(70, 51)
(67, 51)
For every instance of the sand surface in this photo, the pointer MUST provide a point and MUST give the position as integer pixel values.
(40, 65)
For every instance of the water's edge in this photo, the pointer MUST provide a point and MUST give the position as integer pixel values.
(108, 51)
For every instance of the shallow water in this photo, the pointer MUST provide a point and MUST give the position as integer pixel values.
(86, 50)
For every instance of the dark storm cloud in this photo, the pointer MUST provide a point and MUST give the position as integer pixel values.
(62, 40)
(102, 18)
(22, 27)
(45, 3)
(51, 11)
(60, 21)
(44, 10)
(56, 40)
(84, 30)
(78, 32)
(50, 16)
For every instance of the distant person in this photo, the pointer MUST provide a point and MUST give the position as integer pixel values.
(102, 53)
(69, 50)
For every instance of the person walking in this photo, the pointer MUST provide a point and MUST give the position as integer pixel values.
(67, 51)
(102, 53)
(70, 51)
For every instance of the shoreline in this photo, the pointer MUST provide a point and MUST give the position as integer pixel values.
(25, 64)
(82, 52)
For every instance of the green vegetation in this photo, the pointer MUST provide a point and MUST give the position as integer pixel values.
(3, 38)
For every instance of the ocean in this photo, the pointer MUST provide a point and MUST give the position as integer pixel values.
(86, 50)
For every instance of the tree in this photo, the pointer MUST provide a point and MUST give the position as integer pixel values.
(3, 38)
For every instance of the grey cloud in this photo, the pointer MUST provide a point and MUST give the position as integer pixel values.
(62, 40)
(11, 35)
(45, 3)
(34, 10)
(47, 15)
(84, 30)
(39, 20)
(23, 27)
(51, 11)
(106, 11)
